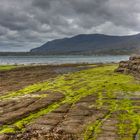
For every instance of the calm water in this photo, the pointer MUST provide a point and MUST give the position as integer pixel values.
(61, 59)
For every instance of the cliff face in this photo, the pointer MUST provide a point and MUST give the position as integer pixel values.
(130, 66)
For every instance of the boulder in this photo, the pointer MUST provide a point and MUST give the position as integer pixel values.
(130, 66)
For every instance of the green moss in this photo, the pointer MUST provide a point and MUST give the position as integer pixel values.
(129, 120)
(19, 125)
(94, 79)
(7, 130)
(7, 67)
(93, 129)
(100, 81)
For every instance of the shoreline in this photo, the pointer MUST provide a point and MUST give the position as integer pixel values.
(59, 64)
(57, 60)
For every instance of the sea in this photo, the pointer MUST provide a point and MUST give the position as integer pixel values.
(60, 59)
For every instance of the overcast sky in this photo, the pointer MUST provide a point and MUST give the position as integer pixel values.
(25, 24)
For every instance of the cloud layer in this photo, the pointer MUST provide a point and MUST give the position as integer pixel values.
(25, 24)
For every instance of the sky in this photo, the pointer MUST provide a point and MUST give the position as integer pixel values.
(26, 24)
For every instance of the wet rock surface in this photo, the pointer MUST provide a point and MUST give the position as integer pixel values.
(67, 111)
(66, 122)
(23, 76)
(130, 66)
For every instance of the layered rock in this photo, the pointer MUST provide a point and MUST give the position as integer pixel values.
(130, 66)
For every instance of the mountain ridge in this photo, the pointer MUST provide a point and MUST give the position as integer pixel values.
(92, 44)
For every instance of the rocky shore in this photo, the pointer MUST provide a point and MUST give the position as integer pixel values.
(69, 102)
(130, 66)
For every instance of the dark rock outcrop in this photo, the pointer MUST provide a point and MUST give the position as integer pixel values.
(130, 66)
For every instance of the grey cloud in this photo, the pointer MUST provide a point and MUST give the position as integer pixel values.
(42, 4)
(30, 23)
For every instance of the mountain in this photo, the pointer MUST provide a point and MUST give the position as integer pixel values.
(92, 44)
